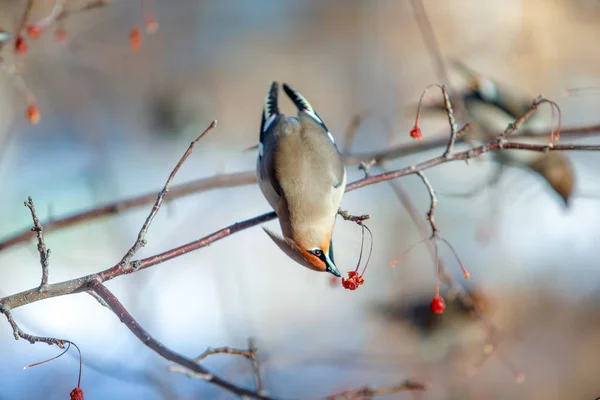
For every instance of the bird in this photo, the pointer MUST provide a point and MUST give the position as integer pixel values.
(493, 107)
(302, 176)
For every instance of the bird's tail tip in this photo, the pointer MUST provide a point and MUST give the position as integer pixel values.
(299, 101)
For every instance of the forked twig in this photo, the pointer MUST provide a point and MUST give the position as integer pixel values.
(141, 241)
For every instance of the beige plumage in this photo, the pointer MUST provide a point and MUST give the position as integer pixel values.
(302, 176)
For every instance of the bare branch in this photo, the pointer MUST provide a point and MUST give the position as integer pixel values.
(224, 350)
(196, 186)
(451, 121)
(19, 334)
(465, 155)
(433, 203)
(91, 5)
(410, 207)
(141, 241)
(97, 298)
(517, 124)
(57, 9)
(256, 367)
(80, 284)
(367, 392)
(434, 48)
(359, 219)
(23, 21)
(121, 312)
(406, 149)
(249, 177)
(41, 247)
(207, 353)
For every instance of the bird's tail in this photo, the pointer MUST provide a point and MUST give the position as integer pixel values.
(270, 110)
(299, 101)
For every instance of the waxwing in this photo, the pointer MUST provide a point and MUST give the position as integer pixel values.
(493, 107)
(301, 174)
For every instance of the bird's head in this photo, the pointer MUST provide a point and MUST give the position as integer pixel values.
(480, 86)
(313, 253)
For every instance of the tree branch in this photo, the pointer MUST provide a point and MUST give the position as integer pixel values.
(117, 207)
(121, 312)
(256, 367)
(41, 247)
(367, 392)
(81, 284)
(406, 149)
(94, 282)
(249, 177)
(141, 241)
(250, 354)
(19, 334)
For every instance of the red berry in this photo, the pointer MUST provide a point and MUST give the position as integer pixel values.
(33, 114)
(77, 394)
(20, 45)
(349, 284)
(135, 40)
(415, 132)
(353, 282)
(33, 31)
(438, 305)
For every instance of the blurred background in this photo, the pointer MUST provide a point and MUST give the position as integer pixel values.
(114, 123)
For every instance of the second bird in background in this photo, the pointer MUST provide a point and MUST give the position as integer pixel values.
(301, 174)
(492, 107)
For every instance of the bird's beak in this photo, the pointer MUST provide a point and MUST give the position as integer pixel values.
(331, 268)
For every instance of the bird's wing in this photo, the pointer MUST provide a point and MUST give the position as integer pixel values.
(265, 164)
(329, 160)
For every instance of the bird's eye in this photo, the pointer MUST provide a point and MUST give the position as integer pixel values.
(317, 252)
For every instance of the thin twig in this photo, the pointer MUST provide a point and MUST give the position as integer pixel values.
(256, 367)
(434, 50)
(521, 120)
(57, 9)
(97, 298)
(141, 241)
(41, 246)
(19, 334)
(207, 353)
(223, 350)
(368, 392)
(433, 203)
(359, 219)
(93, 4)
(23, 21)
(404, 198)
(451, 121)
(117, 207)
(126, 318)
